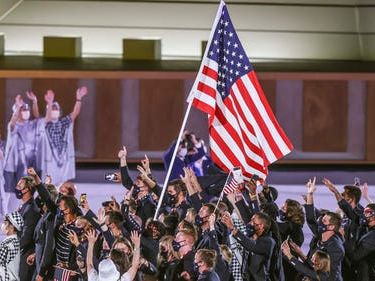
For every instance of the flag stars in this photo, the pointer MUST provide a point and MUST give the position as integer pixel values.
(226, 23)
(216, 42)
(231, 35)
(229, 43)
(211, 53)
(240, 56)
(239, 64)
(233, 54)
(246, 67)
(237, 72)
(235, 45)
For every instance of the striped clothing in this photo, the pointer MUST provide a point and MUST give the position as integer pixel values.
(63, 244)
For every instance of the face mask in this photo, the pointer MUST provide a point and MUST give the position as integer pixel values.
(19, 194)
(322, 227)
(362, 221)
(282, 215)
(196, 267)
(199, 221)
(171, 199)
(77, 230)
(182, 152)
(25, 115)
(39, 202)
(164, 254)
(55, 114)
(250, 230)
(176, 246)
(3, 227)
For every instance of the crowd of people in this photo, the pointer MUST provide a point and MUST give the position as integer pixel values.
(245, 236)
(42, 142)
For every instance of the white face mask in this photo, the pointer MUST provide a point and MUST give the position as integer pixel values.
(3, 228)
(182, 152)
(55, 114)
(25, 115)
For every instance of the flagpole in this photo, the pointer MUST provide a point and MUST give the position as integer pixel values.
(172, 160)
(222, 192)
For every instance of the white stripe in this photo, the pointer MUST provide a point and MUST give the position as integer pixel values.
(221, 131)
(203, 97)
(234, 123)
(260, 106)
(261, 138)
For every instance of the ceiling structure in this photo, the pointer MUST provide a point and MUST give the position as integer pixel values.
(269, 29)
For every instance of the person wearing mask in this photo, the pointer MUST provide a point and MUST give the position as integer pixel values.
(176, 198)
(23, 141)
(292, 219)
(44, 230)
(258, 242)
(184, 244)
(183, 159)
(10, 247)
(317, 270)
(204, 262)
(168, 260)
(30, 213)
(362, 253)
(202, 221)
(326, 230)
(348, 201)
(58, 146)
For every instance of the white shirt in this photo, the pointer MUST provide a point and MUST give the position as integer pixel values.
(94, 276)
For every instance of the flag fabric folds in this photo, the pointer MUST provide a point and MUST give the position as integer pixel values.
(231, 186)
(62, 274)
(242, 127)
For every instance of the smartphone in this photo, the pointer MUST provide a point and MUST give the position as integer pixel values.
(237, 175)
(83, 198)
(106, 203)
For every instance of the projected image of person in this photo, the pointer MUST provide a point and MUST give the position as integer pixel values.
(23, 139)
(58, 145)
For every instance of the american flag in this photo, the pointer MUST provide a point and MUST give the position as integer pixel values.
(62, 274)
(243, 130)
(231, 185)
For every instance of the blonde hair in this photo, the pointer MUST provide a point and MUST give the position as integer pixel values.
(166, 243)
(323, 261)
(226, 253)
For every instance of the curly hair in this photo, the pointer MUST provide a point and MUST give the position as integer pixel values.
(294, 212)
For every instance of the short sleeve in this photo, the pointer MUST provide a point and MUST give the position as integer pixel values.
(126, 277)
(92, 275)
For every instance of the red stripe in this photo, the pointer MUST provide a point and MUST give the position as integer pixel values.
(203, 106)
(257, 150)
(209, 72)
(258, 87)
(218, 161)
(258, 118)
(208, 90)
(234, 134)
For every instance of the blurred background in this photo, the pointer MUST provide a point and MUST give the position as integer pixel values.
(315, 60)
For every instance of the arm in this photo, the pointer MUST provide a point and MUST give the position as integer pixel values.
(365, 194)
(333, 189)
(17, 106)
(30, 219)
(47, 257)
(81, 92)
(126, 180)
(304, 269)
(34, 100)
(348, 210)
(91, 237)
(49, 98)
(135, 237)
(259, 246)
(364, 249)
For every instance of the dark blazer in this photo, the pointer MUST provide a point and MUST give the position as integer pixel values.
(30, 214)
(307, 271)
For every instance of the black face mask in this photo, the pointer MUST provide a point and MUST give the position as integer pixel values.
(282, 215)
(19, 193)
(39, 202)
(171, 199)
(164, 254)
(176, 245)
(250, 230)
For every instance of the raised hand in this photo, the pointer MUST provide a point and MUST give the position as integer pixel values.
(135, 237)
(129, 194)
(286, 249)
(48, 179)
(311, 185)
(81, 92)
(227, 220)
(330, 185)
(123, 153)
(31, 172)
(211, 221)
(31, 96)
(142, 172)
(91, 236)
(146, 164)
(73, 238)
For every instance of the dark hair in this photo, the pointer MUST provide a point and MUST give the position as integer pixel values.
(116, 218)
(371, 206)
(178, 185)
(29, 183)
(208, 257)
(170, 222)
(71, 203)
(335, 220)
(294, 212)
(270, 209)
(266, 220)
(354, 192)
(121, 260)
(210, 206)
